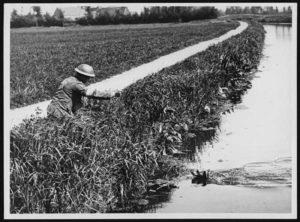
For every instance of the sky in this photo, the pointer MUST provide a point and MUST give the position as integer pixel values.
(133, 7)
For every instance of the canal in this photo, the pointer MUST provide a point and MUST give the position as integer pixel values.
(251, 156)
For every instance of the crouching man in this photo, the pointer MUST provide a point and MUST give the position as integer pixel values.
(71, 92)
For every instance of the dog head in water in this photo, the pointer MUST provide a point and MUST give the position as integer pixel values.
(200, 178)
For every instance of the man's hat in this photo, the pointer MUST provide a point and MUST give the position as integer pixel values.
(86, 70)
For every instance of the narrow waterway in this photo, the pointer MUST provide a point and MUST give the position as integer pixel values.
(250, 159)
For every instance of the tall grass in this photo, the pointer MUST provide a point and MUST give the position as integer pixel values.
(103, 158)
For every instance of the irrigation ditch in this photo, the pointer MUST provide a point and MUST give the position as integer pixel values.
(111, 156)
(250, 170)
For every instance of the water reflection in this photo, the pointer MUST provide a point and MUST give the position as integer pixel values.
(282, 32)
(262, 132)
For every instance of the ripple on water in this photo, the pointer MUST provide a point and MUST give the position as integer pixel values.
(256, 174)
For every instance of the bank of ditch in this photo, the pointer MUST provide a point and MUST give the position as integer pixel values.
(111, 154)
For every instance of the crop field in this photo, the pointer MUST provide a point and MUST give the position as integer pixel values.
(107, 157)
(40, 60)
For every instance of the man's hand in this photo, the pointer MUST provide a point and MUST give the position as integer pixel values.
(118, 94)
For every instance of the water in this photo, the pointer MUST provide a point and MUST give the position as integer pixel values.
(251, 158)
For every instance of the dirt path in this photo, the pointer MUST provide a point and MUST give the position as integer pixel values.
(123, 80)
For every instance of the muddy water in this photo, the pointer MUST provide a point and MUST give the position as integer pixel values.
(250, 159)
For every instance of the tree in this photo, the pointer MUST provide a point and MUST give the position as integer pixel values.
(228, 11)
(14, 13)
(58, 14)
(247, 10)
(51, 21)
(268, 10)
(88, 12)
(37, 10)
(233, 10)
(284, 10)
(13, 18)
(38, 15)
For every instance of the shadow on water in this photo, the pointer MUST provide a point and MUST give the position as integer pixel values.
(149, 204)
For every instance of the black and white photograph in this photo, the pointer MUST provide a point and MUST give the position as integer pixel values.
(150, 110)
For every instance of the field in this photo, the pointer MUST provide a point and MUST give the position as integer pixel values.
(108, 157)
(42, 57)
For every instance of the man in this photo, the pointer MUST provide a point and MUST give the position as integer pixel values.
(69, 96)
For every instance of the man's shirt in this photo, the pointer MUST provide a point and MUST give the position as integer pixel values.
(68, 97)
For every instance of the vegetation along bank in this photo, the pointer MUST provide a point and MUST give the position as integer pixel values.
(105, 158)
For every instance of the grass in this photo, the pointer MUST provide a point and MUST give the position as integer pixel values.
(42, 58)
(103, 159)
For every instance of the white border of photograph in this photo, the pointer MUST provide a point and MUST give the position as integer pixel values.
(293, 114)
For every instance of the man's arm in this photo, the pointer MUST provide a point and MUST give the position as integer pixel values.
(82, 89)
(103, 95)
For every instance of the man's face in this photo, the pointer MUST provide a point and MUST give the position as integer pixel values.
(82, 78)
(85, 79)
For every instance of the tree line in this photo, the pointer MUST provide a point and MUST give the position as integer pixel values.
(35, 19)
(155, 14)
(257, 10)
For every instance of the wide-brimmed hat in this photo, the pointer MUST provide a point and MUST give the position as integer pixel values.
(86, 70)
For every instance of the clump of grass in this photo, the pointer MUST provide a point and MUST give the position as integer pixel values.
(104, 157)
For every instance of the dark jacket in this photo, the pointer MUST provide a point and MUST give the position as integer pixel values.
(68, 98)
